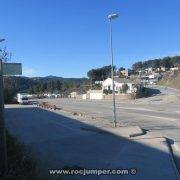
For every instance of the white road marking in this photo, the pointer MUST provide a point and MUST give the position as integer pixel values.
(141, 109)
(144, 109)
(158, 117)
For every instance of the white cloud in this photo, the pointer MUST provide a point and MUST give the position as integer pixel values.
(30, 72)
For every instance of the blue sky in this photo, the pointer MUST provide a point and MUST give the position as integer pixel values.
(69, 37)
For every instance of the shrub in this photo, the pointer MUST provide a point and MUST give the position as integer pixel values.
(21, 164)
(105, 91)
(8, 96)
(124, 88)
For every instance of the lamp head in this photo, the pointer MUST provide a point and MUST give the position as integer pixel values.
(112, 16)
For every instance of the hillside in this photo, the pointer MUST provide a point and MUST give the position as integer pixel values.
(38, 85)
(25, 84)
(171, 80)
(166, 62)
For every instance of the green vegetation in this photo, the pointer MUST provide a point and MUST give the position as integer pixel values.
(38, 85)
(53, 84)
(103, 73)
(124, 88)
(8, 96)
(105, 91)
(166, 62)
(99, 74)
(21, 164)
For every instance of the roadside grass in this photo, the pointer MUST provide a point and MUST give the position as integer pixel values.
(21, 164)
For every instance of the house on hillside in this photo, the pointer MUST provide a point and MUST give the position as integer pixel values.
(118, 85)
(154, 75)
(154, 78)
(126, 72)
(149, 70)
(98, 82)
(161, 69)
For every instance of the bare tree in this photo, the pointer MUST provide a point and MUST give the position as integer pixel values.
(5, 55)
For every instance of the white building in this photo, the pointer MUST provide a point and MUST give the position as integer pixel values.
(118, 83)
(174, 68)
(149, 70)
(154, 76)
(163, 68)
(73, 94)
(95, 94)
(126, 72)
(84, 96)
(98, 82)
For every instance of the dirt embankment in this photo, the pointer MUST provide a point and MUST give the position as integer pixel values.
(171, 80)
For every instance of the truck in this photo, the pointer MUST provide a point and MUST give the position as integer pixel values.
(22, 98)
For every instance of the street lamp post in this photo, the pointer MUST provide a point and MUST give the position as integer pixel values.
(111, 17)
(3, 149)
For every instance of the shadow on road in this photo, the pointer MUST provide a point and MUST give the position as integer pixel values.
(61, 142)
(152, 91)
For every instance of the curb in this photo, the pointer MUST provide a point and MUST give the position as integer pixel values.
(172, 158)
(123, 131)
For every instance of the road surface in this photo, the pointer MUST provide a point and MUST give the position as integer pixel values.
(60, 139)
(158, 113)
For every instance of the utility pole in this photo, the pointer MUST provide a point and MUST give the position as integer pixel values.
(3, 146)
(5, 69)
(110, 17)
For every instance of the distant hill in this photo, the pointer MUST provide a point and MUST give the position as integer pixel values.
(22, 83)
(15, 84)
(56, 78)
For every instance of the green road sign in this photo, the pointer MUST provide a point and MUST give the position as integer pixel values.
(12, 69)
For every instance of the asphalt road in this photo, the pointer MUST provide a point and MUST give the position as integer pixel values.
(61, 139)
(159, 113)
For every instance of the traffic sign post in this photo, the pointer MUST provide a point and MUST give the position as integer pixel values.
(5, 69)
(12, 69)
(3, 147)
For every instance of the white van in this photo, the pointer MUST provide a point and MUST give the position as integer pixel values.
(22, 98)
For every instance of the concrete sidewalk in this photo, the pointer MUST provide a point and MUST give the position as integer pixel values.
(58, 141)
(148, 158)
(144, 156)
(151, 156)
(155, 162)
